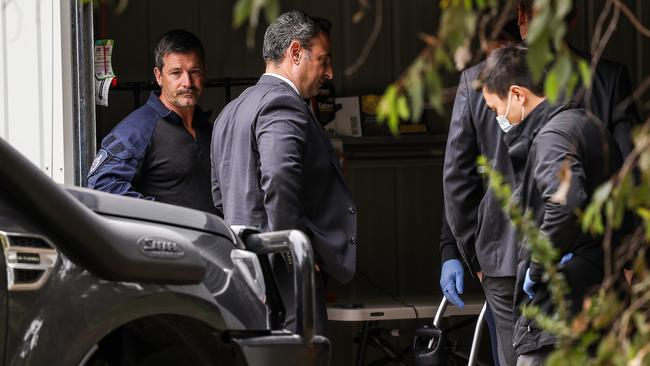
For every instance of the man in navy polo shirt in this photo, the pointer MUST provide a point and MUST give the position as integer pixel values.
(161, 151)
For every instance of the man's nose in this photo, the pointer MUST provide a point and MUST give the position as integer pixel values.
(329, 72)
(186, 79)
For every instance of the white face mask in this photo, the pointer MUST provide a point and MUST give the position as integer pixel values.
(503, 120)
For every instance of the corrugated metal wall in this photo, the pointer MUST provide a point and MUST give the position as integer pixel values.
(138, 28)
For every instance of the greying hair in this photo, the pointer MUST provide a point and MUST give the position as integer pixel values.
(293, 25)
(507, 66)
(178, 41)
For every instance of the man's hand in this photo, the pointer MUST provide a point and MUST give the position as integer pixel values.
(567, 257)
(529, 284)
(451, 281)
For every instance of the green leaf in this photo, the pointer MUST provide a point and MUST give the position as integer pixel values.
(585, 72)
(607, 348)
(602, 193)
(386, 103)
(434, 87)
(558, 76)
(403, 108)
(563, 8)
(644, 213)
(551, 85)
(538, 26)
(272, 10)
(443, 58)
(570, 87)
(638, 196)
(558, 33)
(539, 54)
(393, 122)
(591, 219)
(609, 210)
(415, 91)
(471, 20)
(241, 12)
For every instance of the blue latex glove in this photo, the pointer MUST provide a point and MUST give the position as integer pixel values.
(567, 257)
(529, 284)
(451, 281)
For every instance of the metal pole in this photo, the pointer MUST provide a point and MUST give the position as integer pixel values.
(83, 88)
(478, 331)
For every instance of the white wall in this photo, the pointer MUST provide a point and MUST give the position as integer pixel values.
(31, 97)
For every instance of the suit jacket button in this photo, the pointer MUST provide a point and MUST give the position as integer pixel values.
(353, 241)
(352, 211)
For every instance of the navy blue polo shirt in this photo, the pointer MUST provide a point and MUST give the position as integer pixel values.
(151, 155)
(176, 167)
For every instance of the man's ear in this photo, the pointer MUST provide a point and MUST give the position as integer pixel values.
(158, 74)
(518, 92)
(294, 52)
(522, 17)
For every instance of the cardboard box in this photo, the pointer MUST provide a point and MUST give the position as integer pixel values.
(347, 121)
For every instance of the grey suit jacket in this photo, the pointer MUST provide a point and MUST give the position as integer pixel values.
(274, 168)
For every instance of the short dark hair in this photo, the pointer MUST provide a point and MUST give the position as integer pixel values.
(507, 66)
(178, 41)
(293, 25)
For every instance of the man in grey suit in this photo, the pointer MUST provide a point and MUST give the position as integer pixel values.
(274, 168)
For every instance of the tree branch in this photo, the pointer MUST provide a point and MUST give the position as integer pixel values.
(350, 70)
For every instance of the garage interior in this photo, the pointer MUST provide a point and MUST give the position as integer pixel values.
(396, 182)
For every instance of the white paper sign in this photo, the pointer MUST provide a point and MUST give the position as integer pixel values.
(104, 74)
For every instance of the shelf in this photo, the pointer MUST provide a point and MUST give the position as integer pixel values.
(389, 147)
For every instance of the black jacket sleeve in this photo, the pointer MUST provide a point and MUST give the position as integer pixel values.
(448, 248)
(463, 186)
(553, 151)
(624, 114)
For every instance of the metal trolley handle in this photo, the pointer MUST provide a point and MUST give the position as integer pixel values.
(478, 330)
(297, 243)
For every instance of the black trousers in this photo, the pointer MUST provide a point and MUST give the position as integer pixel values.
(499, 292)
(284, 280)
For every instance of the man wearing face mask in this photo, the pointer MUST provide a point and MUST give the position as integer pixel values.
(476, 229)
(545, 141)
(478, 232)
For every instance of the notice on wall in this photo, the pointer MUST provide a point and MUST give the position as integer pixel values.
(104, 74)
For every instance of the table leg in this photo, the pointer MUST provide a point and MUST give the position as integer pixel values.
(363, 343)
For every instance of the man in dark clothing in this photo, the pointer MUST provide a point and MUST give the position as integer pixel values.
(161, 151)
(273, 166)
(611, 85)
(481, 234)
(544, 143)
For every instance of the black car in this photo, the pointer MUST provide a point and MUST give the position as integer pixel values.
(90, 278)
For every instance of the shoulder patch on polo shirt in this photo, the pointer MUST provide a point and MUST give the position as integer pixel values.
(99, 160)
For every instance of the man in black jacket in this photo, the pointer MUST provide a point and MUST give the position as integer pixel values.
(544, 143)
(474, 226)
